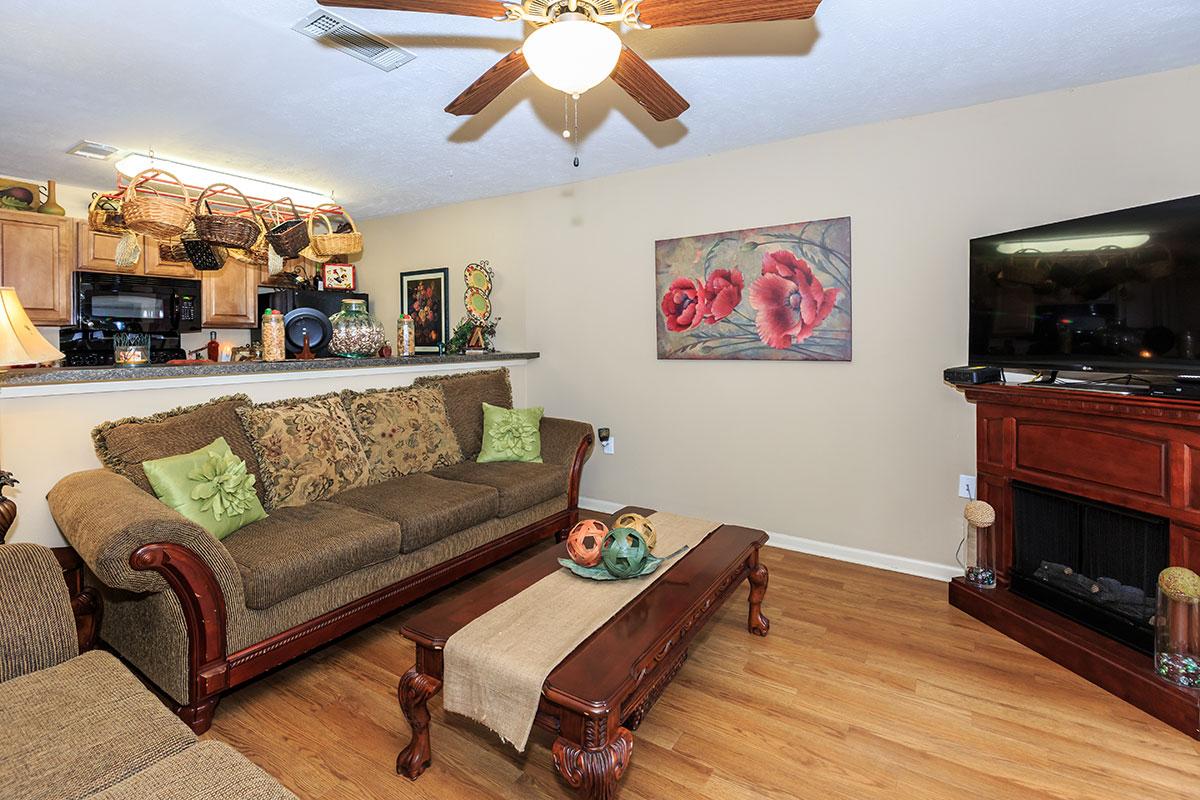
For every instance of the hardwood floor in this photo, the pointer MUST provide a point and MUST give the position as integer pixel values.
(869, 686)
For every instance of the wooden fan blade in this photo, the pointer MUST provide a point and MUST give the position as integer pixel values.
(490, 84)
(676, 13)
(463, 8)
(646, 86)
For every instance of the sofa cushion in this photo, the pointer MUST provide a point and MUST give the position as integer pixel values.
(427, 508)
(403, 430)
(210, 486)
(306, 447)
(81, 727)
(123, 445)
(297, 548)
(465, 394)
(511, 434)
(520, 484)
(208, 771)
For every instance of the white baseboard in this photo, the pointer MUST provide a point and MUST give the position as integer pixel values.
(838, 552)
(869, 558)
(592, 504)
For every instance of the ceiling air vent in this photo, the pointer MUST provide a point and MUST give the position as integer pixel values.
(353, 40)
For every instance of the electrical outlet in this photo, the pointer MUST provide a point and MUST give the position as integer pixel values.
(608, 445)
(966, 487)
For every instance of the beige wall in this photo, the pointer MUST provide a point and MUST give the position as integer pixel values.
(862, 455)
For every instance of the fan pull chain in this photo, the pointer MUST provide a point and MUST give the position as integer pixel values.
(576, 136)
(571, 129)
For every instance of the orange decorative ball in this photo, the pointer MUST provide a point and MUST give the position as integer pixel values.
(586, 541)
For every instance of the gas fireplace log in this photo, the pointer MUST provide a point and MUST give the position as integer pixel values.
(1109, 593)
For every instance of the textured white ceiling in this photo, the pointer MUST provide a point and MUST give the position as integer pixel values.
(229, 84)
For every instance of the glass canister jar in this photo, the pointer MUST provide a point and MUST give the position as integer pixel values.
(1177, 627)
(274, 347)
(356, 333)
(406, 336)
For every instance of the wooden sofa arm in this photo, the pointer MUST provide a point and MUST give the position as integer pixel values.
(569, 442)
(204, 614)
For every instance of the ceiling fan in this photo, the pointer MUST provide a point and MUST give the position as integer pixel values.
(572, 49)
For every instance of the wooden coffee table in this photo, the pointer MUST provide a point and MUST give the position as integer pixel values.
(602, 691)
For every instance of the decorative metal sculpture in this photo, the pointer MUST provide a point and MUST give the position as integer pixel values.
(478, 277)
(639, 524)
(624, 552)
(585, 541)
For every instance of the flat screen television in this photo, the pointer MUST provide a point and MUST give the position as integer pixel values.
(1115, 292)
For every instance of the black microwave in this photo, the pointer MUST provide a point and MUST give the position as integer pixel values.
(136, 303)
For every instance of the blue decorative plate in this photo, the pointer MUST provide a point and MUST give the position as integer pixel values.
(599, 573)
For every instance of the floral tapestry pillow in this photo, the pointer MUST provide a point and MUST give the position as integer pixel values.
(511, 434)
(307, 449)
(403, 430)
(210, 486)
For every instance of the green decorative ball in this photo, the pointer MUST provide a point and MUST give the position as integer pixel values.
(625, 552)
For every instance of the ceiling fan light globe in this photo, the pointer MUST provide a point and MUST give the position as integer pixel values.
(572, 54)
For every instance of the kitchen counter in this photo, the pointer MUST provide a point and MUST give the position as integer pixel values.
(77, 380)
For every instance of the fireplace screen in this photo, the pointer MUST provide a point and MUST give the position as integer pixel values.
(1095, 563)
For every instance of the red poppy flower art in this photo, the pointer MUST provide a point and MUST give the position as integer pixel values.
(771, 294)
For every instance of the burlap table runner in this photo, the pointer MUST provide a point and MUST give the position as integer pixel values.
(494, 667)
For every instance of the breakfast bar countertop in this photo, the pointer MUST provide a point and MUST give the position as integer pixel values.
(73, 380)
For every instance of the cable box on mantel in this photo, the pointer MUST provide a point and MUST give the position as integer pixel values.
(970, 376)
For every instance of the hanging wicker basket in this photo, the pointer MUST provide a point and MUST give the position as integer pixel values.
(204, 256)
(172, 250)
(226, 230)
(328, 245)
(104, 213)
(155, 215)
(288, 237)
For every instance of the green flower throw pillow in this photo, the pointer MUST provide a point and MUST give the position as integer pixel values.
(209, 486)
(511, 434)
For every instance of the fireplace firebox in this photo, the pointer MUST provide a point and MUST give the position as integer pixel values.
(1093, 562)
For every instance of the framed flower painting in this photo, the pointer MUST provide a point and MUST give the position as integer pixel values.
(425, 296)
(768, 294)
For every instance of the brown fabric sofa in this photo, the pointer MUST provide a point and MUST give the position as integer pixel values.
(199, 616)
(81, 726)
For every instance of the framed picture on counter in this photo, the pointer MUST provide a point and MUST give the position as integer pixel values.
(425, 296)
(339, 277)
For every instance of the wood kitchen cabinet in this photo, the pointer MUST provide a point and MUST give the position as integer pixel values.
(231, 295)
(154, 264)
(36, 255)
(97, 253)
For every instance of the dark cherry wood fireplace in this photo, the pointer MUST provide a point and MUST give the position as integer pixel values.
(1107, 487)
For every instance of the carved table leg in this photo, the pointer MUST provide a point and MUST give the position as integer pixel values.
(594, 772)
(758, 624)
(414, 692)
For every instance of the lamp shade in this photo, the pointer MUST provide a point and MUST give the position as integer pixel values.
(572, 54)
(20, 342)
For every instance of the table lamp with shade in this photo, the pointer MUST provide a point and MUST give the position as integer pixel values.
(20, 343)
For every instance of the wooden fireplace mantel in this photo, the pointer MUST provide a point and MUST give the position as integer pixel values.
(1141, 453)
